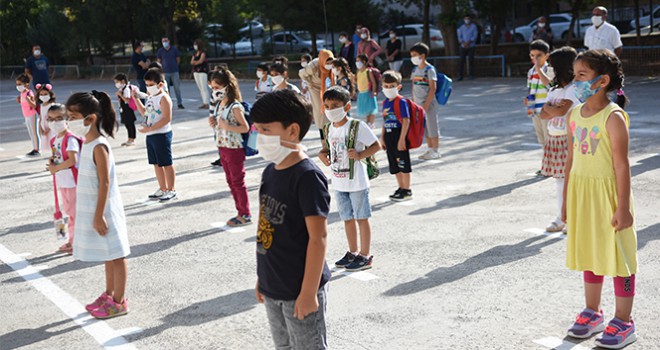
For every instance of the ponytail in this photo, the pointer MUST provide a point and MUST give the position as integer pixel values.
(98, 103)
(621, 98)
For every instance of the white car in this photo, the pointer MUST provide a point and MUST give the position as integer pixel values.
(646, 30)
(646, 20)
(257, 29)
(559, 23)
(412, 33)
(293, 42)
(244, 47)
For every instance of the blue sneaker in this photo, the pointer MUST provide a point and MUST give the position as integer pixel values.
(617, 335)
(360, 263)
(587, 323)
(346, 260)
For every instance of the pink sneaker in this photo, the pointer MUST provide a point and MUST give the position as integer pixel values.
(111, 309)
(98, 302)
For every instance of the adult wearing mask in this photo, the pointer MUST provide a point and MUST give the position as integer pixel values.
(357, 37)
(369, 46)
(201, 71)
(467, 37)
(543, 32)
(169, 57)
(394, 52)
(602, 35)
(36, 67)
(319, 77)
(347, 50)
(140, 64)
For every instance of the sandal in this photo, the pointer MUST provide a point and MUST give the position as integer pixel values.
(236, 222)
(555, 227)
(66, 248)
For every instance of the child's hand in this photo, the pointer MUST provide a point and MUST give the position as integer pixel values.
(622, 219)
(353, 154)
(144, 129)
(18, 99)
(373, 94)
(100, 225)
(382, 144)
(52, 167)
(305, 305)
(325, 159)
(401, 145)
(223, 124)
(260, 298)
(212, 121)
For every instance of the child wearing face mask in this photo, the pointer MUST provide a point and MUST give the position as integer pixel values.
(347, 50)
(29, 108)
(229, 123)
(64, 165)
(127, 106)
(304, 85)
(424, 84)
(279, 76)
(264, 83)
(538, 83)
(294, 204)
(349, 141)
(343, 75)
(47, 98)
(158, 118)
(367, 88)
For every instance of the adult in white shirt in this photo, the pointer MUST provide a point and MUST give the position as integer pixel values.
(602, 35)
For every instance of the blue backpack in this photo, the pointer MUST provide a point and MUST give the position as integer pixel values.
(250, 137)
(443, 89)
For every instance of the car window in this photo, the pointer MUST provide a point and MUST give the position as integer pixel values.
(289, 38)
(408, 31)
(558, 19)
(278, 38)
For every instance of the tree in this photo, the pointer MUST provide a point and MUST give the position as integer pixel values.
(231, 23)
(448, 19)
(496, 11)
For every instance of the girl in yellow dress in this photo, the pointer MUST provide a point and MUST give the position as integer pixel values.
(598, 201)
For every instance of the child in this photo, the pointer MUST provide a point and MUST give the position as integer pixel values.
(214, 99)
(279, 76)
(538, 82)
(229, 123)
(394, 135)
(598, 200)
(264, 84)
(29, 109)
(291, 238)
(367, 87)
(126, 106)
(158, 114)
(64, 165)
(349, 174)
(304, 85)
(47, 98)
(561, 99)
(343, 75)
(424, 83)
(100, 219)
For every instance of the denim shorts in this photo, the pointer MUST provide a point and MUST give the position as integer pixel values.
(159, 149)
(353, 205)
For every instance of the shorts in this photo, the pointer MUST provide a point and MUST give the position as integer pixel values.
(399, 161)
(432, 122)
(353, 205)
(159, 149)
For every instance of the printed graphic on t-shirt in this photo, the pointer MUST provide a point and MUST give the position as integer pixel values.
(584, 140)
(271, 212)
(339, 162)
(40, 65)
(152, 113)
(390, 119)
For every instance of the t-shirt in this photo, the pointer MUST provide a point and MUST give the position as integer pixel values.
(393, 46)
(390, 121)
(264, 86)
(537, 88)
(555, 96)
(339, 161)
(168, 59)
(421, 78)
(26, 107)
(226, 138)
(154, 114)
(65, 177)
(39, 69)
(135, 59)
(363, 80)
(605, 37)
(286, 198)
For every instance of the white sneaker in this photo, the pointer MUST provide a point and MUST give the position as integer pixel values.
(157, 195)
(430, 155)
(425, 154)
(168, 195)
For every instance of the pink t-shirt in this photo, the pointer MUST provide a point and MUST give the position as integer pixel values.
(28, 110)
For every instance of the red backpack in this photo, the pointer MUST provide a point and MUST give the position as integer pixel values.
(65, 154)
(417, 117)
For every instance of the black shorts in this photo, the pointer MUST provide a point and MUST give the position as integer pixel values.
(399, 160)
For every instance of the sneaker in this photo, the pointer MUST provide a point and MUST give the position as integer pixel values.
(403, 195)
(216, 163)
(111, 309)
(360, 263)
(33, 153)
(98, 302)
(430, 155)
(128, 144)
(425, 154)
(167, 195)
(181, 107)
(159, 193)
(395, 194)
(204, 106)
(617, 335)
(587, 323)
(346, 260)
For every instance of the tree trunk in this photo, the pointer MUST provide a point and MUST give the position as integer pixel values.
(651, 16)
(427, 14)
(448, 27)
(574, 19)
(494, 34)
(314, 46)
(638, 36)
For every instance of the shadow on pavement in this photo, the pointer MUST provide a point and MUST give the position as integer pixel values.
(645, 165)
(37, 226)
(646, 235)
(24, 337)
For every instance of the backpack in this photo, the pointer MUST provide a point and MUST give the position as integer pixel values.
(417, 115)
(131, 102)
(65, 154)
(377, 78)
(372, 164)
(250, 137)
(443, 89)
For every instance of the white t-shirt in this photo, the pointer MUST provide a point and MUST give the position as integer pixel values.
(339, 161)
(605, 37)
(557, 125)
(65, 177)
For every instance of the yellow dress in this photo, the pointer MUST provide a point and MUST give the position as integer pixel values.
(591, 201)
(363, 80)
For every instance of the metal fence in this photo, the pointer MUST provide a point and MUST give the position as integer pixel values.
(484, 66)
(56, 71)
(641, 60)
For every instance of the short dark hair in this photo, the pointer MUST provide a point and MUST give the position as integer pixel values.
(164, 37)
(156, 64)
(155, 75)
(263, 66)
(283, 59)
(285, 107)
(539, 45)
(136, 44)
(23, 78)
(307, 56)
(337, 93)
(421, 49)
(120, 77)
(391, 76)
(280, 68)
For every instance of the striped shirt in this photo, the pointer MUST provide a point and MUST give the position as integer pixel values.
(536, 87)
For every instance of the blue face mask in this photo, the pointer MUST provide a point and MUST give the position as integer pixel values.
(583, 89)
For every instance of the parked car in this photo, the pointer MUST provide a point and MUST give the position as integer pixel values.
(646, 20)
(647, 30)
(412, 33)
(257, 29)
(290, 41)
(218, 49)
(559, 23)
(244, 47)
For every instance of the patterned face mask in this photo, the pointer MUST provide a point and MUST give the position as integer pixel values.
(583, 89)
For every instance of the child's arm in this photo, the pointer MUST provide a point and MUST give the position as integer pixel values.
(103, 172)
(567, 166)
(307, 303)
(69, 163)
(545, 79)
(374, 84)
(166, 108)
(550, 111)
(618, 132)
(382, 138)
(138, 102)
(368, 152)
(242, 126)
(324, 156)
(31, 101)
(405, 124)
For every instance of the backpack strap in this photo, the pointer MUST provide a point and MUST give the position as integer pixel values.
(351, 142)
(397, 108)
(65, 153)
(326, 129)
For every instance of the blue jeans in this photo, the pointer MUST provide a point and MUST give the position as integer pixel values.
(353, 205)
(174, 80)
(290, 333)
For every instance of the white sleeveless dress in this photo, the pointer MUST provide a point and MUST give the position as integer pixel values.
(88, 245)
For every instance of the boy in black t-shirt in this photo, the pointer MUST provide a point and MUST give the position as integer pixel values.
(291, 239)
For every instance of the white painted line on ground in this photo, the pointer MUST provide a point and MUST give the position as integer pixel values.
(22, 255)
(130, 331)
(447, 137)
(99, 330)
(183, 127)
(224, 227)
(358, 275)
(459, 119)
(40, 267)
(21, 157)
(147, 202)
(645, 131)
(559, 344)
(435, 161)
(464, 105)
(632, 112)
(540, 231)
(533, 145)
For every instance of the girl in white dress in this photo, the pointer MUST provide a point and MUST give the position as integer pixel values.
(100, 232)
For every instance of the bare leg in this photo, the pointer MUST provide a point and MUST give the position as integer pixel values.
(170, 176)
(405, 180)
(160, 175)
(371, 118)
(365, 236)
(592, 294)
(434, 143)
(120, 272)
(109, 278)
(624, 307)
(351, 235)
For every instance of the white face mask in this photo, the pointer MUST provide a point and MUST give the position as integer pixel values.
(416, 60)
(44, 98)
(541, 24)
(78, 127)
(342, 40)
(270, 149)
(392, 35)
(260, 74)
(153, 90)
(391, 93)
(328, 66)
(195, 47)
(304, 64)
(363, 36)
(359, 65)
(57, 126)
(597, 20)
(37, 52)
(335, 71)
(219, 93)
(166, 44)
(466, 21)
(120, 85)
(20, 88)
(277, 80)
(335, 115)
